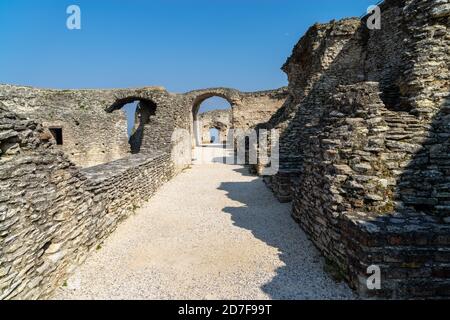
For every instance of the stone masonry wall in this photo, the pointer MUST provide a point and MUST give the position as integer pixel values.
(51, 213)
(315, 53)
(94, 126)
(258, 107)
(90, 135)
(365, 147)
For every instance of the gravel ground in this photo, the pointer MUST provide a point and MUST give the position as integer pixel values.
(213, 232)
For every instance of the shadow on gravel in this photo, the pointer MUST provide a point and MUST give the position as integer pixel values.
(244, 171)
(302, 276)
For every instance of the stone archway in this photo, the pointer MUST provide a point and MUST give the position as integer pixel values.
(144, 110)
(230, 95)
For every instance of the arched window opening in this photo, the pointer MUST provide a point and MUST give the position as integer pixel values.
(212, 120)
(138, 113)
(214, 103)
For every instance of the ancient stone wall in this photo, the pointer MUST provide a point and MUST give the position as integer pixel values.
(364, 149)
(51, 213)
(94, 129)
(103, 135)
(94, 126)
(315, 53)
(248, 109)
(257, 107)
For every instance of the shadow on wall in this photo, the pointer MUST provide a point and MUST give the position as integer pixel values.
(302, 276)
(425, 184)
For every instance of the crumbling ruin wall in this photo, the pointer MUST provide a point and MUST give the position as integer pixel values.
(248, 109)
(257, 107)
(94, 127)
(365, 147)
(165, 127)
(218, 119)
(90, 135)
(52, 214)
(315, 53)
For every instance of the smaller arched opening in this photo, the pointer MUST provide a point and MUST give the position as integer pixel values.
(138, 112)
(214, 136)
(212, 114)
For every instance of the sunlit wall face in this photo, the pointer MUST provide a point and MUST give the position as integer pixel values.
(181, 45)
(130, 111)
(215, 135)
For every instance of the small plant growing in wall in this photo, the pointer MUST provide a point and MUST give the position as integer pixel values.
(135, 208)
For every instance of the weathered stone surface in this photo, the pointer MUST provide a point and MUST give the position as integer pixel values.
(364, 156)
(53, 214)
(365, 149)
(217, 119)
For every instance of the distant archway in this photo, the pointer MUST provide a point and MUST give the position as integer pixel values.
(139, 111)
(209, 103)
(214, 135)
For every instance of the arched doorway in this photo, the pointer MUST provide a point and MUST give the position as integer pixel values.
(211, 112)
(138, 112)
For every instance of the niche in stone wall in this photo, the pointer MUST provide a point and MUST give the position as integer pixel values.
(57, 133)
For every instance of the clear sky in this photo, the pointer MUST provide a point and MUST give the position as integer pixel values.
(179, 44)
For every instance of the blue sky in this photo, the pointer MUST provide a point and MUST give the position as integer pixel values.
(181, 45)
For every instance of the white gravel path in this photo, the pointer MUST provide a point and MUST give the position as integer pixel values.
(213, 232)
